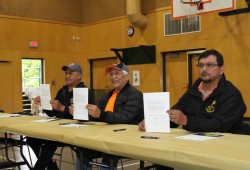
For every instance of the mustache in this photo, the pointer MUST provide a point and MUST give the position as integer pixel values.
(204, 73)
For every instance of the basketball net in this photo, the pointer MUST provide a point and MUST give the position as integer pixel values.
(191, 8)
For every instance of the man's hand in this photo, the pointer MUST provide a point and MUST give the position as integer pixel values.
(37, 100)
(142, 126)
(71, 109)
(56, 105)
(177, 117)
(94, 111)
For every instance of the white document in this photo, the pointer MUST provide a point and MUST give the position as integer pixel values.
(45, 120)
(73, 125)
(200, 136)
(155, 107)
(3, 115)
(44, 93)
(80, 99)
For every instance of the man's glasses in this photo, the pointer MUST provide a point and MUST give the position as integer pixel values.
(208, 66)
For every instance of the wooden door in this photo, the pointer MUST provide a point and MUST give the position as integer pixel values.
(176, 76)
(178, 73)
(194, 55)
(195, 71)
(6, 79)
(101, 83)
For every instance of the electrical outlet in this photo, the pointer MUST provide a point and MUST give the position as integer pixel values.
(136, 78)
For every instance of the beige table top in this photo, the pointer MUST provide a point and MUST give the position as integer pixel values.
(231, 152)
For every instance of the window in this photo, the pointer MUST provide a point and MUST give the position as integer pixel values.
(32, 72)
(180, 26)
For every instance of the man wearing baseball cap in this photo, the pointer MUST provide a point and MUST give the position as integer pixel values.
(44, 149)
(122, 105)
(118, 66)
(73, 67)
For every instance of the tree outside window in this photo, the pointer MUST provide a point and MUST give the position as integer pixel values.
(31, 73)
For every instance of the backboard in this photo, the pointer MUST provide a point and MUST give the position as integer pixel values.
(187, 8)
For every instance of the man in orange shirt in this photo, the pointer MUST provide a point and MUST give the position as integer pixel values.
(122, 105)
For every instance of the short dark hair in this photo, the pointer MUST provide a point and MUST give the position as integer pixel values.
(215, 53)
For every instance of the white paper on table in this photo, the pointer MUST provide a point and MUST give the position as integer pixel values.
(73, 125)
(44, 93)
(3, 115)
(155, 107)
(80, 99)
(200, 136)
(45, 120)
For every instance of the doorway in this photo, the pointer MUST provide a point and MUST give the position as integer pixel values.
(32, 72)
(32, 78)
(193, 72)
(99, 80)
(6, 101)
(179, 72)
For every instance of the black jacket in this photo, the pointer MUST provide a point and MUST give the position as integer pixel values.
(222, 111)
(65, 98)
(128, 107)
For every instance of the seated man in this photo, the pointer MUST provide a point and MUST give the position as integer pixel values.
(122, 105)
(44, 149)
(212, 104)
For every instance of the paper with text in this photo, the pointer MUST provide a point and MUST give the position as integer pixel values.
(80, 99)
(155, 107)
(44, 93)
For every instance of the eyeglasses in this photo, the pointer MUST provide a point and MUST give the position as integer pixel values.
(208, 66)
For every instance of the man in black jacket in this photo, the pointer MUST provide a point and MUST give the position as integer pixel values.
(122, 105)
(212, 104)
(44, 149)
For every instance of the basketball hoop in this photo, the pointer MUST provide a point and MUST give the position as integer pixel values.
(191, 8)
(187, 8)
(198, 3)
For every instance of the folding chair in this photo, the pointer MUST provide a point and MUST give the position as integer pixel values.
(60, 154)
(8, 142)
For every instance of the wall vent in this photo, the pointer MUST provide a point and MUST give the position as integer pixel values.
(180, 26)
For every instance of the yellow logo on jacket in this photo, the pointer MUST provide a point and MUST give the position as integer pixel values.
(211, 108)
